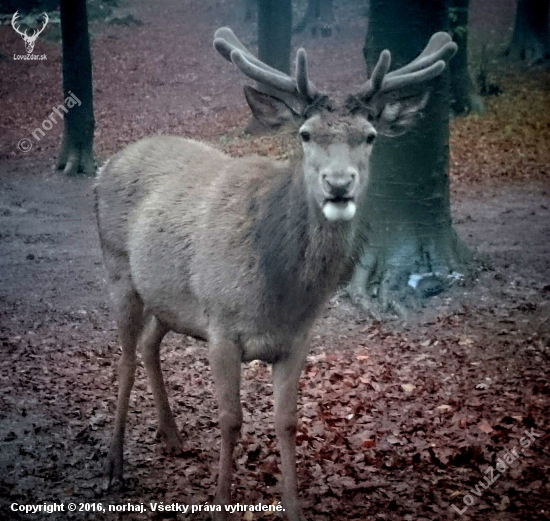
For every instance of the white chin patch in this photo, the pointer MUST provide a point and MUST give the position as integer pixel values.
(339, 211)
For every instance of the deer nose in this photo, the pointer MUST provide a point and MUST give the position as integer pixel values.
(340, 183)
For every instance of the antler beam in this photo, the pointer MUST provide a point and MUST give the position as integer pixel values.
(229, 46)
(429, 64)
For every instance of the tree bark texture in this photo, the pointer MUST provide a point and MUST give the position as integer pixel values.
(530, 39)
(412, 247)
(76, 156)
(464, 98)
(319, 16)
(274, 33)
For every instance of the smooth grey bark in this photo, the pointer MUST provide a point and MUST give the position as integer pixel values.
(76, 156)
(464, 98)
(408, 208)
(274, 33)
(249, 8)
(319, 16)
(274, 44)
(530, 39)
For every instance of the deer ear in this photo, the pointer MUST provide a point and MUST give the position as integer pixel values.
(398, 117)
(268, 110)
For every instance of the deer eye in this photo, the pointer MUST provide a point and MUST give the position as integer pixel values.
(305, 135)
(370, 138)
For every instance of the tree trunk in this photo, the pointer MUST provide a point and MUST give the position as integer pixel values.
(319, 16)
(76, 154)
(530, 39)
(274, 33)
(464, 97)
(326, 18)
(274, 44)
(412, 248)
(249, 8)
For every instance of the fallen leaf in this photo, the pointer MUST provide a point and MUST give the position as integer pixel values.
(504, 503)
(393, 440)
(408, 388)
(484, 426)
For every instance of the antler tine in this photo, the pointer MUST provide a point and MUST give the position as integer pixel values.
(225, 42)
(261, 75)
(429, 64)
(374, 83)
(229, 46)
(440, 47)
(412, 78)
(304, 86)
(229, 36)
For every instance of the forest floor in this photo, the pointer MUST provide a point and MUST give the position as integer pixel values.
(399, 421)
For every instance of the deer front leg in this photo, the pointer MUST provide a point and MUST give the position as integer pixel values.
(225, 363)
(286, 374)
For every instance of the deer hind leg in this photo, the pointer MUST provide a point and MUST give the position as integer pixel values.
(129, 316)
(150, 340)
(225, 363)
(286, 375)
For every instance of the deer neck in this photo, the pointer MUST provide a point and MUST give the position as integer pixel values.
(302, 256)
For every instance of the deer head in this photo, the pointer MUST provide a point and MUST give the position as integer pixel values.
(29, 40)
(337, 140)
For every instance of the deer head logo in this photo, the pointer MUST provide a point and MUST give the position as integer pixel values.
(29, 40)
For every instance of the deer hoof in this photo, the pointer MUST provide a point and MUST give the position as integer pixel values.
(113, 470)
(171, 440)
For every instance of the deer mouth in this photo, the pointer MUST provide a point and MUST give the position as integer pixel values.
(339, 208)
(338, 200)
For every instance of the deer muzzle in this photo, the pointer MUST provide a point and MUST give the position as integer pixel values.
(339, 189)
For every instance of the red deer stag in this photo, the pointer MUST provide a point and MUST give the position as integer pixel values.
(245, 252)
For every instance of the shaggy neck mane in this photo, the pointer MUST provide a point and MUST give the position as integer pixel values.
(302, 256)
